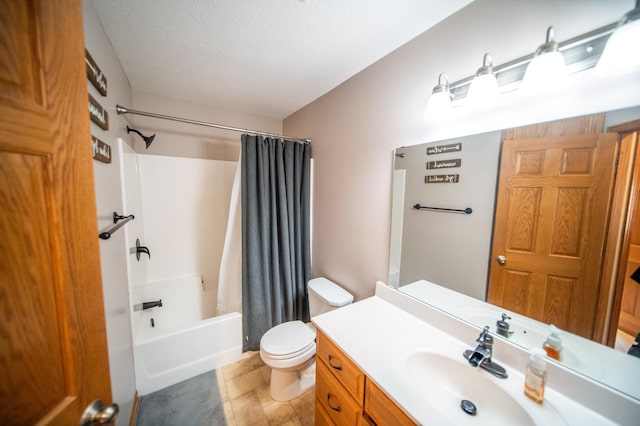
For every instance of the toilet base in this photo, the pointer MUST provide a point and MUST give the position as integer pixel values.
(286, 385)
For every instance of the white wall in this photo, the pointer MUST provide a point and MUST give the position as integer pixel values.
(185, 204)
(113, 251)
(356, 126)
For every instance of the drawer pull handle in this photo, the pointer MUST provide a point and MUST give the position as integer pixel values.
(336, 408)
(335, 367)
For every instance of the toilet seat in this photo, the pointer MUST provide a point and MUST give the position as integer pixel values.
(288, 340)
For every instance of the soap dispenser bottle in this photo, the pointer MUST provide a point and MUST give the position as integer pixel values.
(553, 345)
(536, 375)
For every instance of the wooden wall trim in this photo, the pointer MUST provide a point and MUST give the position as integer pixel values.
(628, 127)
(624, 250)
(608, 305)
(585, 125)
(134, 410)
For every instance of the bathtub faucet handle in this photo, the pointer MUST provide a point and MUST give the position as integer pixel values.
(141, 249)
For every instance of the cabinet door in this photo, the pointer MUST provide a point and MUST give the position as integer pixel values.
(381, 409)
(345, 370)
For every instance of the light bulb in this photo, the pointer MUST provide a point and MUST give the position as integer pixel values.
(546, 71)
(439, 104)
(483, 90)
(620, 53)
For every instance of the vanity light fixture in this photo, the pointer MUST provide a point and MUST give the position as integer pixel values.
(483, 90)
(547, 70)
(621, 51)
(439, 104)
(572, 56)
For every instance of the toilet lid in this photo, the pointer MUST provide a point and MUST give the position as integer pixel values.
(287, 338)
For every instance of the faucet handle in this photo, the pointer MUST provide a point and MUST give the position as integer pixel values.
(502, 326)
(503, 322)
(484, 336)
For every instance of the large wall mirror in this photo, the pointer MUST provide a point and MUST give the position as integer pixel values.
(470, 214)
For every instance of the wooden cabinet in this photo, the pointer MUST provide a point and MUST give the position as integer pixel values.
(344, 395)
(334, 398)
(344, 370)
(381, 409)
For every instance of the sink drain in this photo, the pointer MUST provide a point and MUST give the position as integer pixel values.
(468, 407)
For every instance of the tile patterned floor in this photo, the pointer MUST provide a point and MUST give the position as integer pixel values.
(244, 387)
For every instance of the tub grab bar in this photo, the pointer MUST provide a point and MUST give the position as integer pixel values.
(105, 235)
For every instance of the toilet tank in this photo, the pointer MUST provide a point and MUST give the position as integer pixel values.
(325, 295)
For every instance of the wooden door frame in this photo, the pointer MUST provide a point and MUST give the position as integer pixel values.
(617, 245)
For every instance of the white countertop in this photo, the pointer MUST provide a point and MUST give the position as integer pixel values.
(375, 334)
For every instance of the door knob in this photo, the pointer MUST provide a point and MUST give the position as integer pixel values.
(95, 414)
(501, 260)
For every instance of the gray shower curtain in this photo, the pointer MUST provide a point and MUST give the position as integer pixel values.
(276, 252)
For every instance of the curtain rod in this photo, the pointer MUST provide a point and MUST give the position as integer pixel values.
(123, 110)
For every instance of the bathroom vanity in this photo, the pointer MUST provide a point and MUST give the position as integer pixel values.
(390, 359)
(345, 396)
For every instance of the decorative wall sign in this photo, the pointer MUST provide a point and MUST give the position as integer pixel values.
(442, 149)
(442, 178)
(98, 114)
(94, 74)
(101, 151)
(444, 164)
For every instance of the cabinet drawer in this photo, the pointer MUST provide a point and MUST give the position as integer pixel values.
(341, 366)
(382, 410)
(334, 399)
(322, 417)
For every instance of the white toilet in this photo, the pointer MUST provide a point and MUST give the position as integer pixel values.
(289, 348)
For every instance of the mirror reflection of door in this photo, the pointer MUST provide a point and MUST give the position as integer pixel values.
(552, 210)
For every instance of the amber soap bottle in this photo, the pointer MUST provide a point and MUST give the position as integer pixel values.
(536, 375)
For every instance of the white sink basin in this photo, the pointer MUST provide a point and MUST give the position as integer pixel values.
(444, 383)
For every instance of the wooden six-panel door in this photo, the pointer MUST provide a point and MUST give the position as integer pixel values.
(550, 227)
(53, 353)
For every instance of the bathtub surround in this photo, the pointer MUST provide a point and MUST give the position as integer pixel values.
(183, 338)
(184, 213)
(276, 255)
(193, 402)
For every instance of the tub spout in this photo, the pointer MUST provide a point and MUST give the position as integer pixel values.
(154, 304)
(147, 305)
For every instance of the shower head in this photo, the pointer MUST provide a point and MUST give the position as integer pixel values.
(147, 139)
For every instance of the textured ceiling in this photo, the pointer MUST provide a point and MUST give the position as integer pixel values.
(264, 57)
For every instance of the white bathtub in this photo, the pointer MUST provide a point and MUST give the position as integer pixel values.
(185, 340)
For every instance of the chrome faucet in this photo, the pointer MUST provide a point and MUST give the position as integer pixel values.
(481, 356)
(502, 326)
